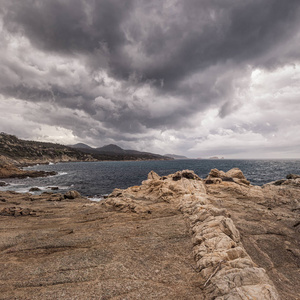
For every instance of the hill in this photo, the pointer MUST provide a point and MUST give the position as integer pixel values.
(80, 146)
(17, 151)
(110, 149)
(114, 152)
(23, 152)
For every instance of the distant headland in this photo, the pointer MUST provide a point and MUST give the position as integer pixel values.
(15, 153)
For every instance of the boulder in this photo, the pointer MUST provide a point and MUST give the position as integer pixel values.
(217, 173)
(34, 189)
(3, 183)
(53, 188)
(72, 195)
(235, 173)
(292, 176)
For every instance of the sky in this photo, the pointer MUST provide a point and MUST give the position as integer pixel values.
(198, 78)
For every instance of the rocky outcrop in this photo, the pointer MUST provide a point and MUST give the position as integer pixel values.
(292, 180)
(10, 171)
(292, 176)
(268, 221)
(233, 175)
(172, 237)
(226, 271)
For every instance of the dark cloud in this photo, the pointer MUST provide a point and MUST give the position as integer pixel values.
(135, 66)
(69, 25)
(191, 36)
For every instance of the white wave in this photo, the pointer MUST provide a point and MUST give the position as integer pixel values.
(96, 199)
(16, 184)
(22, 190)
(58, 174)
(62, 173)
(63, 187)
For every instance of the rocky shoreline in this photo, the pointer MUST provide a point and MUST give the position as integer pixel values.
(10, 171)
(173, 237)
(10, 168)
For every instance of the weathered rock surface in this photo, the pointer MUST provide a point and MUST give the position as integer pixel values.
(233, 175)
(268, 221)
(226, 271)
(78, 249)
(173, 237)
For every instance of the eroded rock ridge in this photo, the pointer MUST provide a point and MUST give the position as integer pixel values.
(226, 271)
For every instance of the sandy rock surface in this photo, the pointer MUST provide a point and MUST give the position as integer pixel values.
(173, 237)
(78, 249)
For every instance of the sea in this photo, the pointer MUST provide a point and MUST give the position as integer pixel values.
(97, 179)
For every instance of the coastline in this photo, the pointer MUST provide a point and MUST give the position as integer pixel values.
(155, 239)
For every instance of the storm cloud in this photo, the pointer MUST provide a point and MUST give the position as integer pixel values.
(199, 78)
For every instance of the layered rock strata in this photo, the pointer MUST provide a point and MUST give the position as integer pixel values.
(225, 268)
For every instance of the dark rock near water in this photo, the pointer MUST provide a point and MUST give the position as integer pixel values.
(279, 182)
(292, 176)
(3, 183)
(53, 188)
(72, 195)
(34, 189)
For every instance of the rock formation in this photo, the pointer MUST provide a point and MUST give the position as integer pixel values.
(172, 237)
(10, 171)
(226, 271)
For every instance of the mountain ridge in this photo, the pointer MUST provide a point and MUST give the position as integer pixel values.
(113, 149)
(21, 152)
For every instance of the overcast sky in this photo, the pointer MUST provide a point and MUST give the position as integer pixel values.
(195, 77)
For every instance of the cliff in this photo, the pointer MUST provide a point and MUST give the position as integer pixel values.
(173, 237)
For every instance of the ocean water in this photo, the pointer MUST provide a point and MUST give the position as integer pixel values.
(95, 179)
